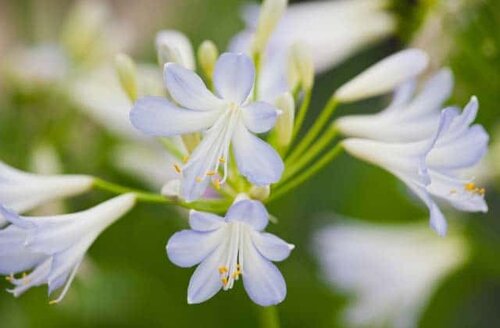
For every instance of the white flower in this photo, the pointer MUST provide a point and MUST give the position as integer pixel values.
(392, 271)
(410, 116)
(226, 119)
(23, 191)
(384, 76)
(53, 246)
(230, 247)
(432, 168)
(174, 47)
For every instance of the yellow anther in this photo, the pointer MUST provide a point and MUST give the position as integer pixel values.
(470, 186)
(236, 274)
(481, 191)
(53, 302)
(198, 179)
(224, 281)
(211, 173)
(177, 168)
(222, 160)
(185, 159)
(223, 269)
(217, 184)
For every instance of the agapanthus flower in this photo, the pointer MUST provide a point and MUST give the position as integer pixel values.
(53, 246)
(23, 191)
(228, 248)
(433, 167)
(228, 118)
(390, 270)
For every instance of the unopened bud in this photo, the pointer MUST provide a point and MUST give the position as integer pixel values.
(191, 140)
(270, 14)
(174, 47)
(127, 74)
(285, 121)
(171, 189)
(260, 192)
(300, 67)
(207, 56)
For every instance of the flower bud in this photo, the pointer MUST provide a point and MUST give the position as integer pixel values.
(286, 120)
(270, 14)
(174, 47)
(207, 56)
(260, 192)
(127, 74)
(384, 76)
(300, 67)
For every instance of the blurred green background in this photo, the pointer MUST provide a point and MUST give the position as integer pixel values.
(128, 281)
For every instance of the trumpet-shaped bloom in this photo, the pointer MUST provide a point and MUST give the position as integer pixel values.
(228, 118)
(433, 168)
(23, 191)
(390, 270)
(409, 117)
(53, 246)
(229, 248)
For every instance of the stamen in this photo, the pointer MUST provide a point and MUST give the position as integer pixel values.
(211, 173)
(472, 188)
(177, 168)
(224, 281)
(223, 269)
(217, 184)
(222, 160)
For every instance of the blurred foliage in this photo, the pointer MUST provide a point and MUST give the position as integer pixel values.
(127, 280)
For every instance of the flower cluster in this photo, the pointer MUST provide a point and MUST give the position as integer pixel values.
(229, 135)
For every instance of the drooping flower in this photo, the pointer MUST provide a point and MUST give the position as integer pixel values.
(229, 248)
(227, 118)
(433, 167)
(23, 191)
(53, 246)
(390, 270)
(409, 117)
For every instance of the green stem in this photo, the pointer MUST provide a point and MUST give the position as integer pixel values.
(301, 115)
(269, 317)
(312, 170)
(315, 150)
(315, 129)
(257, 63)
(172, 148)
(218, 206)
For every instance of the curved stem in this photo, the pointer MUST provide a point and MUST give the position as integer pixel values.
(269, 317)
(218, 206)
(301, 178)
(301, 115)
(315, 129)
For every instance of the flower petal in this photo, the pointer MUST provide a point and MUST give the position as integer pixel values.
(179, 47)
(259, 117)
(202, 221)
(384, 76)
(256, 159)
(187, 247)
(158, 117)
(262, 279)
(188, 90)
(205, 281)
(251, 212)
(14, 256)
(234, 77)
(271, 247)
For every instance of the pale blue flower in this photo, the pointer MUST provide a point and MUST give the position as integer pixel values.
(434, 167)
(53, 246)
(228, 118)
(230, 247)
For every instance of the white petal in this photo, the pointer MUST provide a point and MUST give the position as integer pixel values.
(234, 77)
(188, 248)
(256, 159)
(158, 117)
(259, 117)
(205, 281)
(202, 221)
(384, 76)
(180, 46)
(271, 247)
(188, 90)
(251, 212)
(14, 256)
(262, 279)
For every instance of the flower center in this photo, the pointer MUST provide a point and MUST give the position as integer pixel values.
(232, 266)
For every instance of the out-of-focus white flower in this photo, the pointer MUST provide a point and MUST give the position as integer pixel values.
(333, 30)
(230, 247)
(384, 76)
(391, 270)
(174, 47)
(410, 116)
(54, 246)
(433, 167)
(227, 119)
(207, 57)
(269, 16)
(23, 191)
